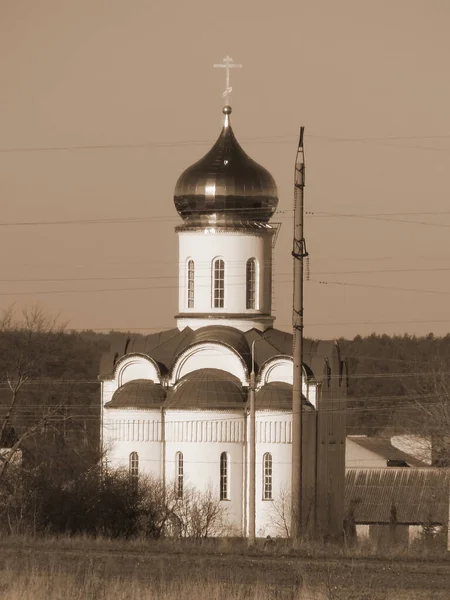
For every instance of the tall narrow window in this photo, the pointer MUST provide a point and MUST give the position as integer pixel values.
(190, 284)
(267, 476)
(218, 283)
(251, 283)
(134, 465)
(224, 476)
(179, 475)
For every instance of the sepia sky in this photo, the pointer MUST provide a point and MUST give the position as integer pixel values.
(104, 102)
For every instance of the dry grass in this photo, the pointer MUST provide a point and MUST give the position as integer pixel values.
(83, 568)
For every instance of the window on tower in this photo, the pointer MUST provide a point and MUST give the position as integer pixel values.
(218, 283)
(179, 474)
(267, 476)
(224, 476)
(251, 283)
(190, 284)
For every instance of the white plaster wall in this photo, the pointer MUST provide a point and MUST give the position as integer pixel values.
(128, 430)
(219, 432)
(109, 386)
(235, 248)
(273, 434)
(356, 456)
(209, 356)
(242, 324)
(362, 532)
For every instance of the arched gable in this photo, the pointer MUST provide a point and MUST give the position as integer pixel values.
(281, 368)
(278, 368)
(209, 355)
(136, 366)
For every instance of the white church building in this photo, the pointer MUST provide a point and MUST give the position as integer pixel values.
(175, 403)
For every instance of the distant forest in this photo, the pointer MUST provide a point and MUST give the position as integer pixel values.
(388, 376)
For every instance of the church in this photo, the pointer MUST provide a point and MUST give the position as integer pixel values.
(175, 404)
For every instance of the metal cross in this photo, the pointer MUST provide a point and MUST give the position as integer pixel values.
(227, 64)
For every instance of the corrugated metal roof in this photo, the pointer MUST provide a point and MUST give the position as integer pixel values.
(385, 449)
(418, 495)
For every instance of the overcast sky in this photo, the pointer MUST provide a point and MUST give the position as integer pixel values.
(369, 80)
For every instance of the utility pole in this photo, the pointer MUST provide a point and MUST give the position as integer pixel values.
(298, 253)
(252, 473)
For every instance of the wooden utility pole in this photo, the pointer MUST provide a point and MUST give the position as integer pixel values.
(252, 473)
(298, 253)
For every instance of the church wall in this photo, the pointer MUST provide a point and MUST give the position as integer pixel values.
(274, 436)
(108, 388)
(202, 437)
(235, 248)
(126, 431)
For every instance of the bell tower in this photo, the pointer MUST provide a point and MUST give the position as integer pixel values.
(226, 201)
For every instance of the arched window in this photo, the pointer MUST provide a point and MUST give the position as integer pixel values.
(218, 283)
(134, 465)
(224, 491)
(179, 474)
(267, 476)
(250, 280)
(190, 284)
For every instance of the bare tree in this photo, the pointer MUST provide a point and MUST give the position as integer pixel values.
(197, 514)
(28, 345)
(281, 513)
(431, 417)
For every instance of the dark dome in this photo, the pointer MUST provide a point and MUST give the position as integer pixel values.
(208, 389)
(277, 395)
(140, 393)
(225, 187)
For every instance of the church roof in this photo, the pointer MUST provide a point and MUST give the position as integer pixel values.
(164, 347)
(277, 395)
(140, 393)
(208, 389)
(225, 187)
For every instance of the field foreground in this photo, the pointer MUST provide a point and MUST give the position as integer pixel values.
(51, 569)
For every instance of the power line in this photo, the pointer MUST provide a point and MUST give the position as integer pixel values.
(382, 287)
(275, 139)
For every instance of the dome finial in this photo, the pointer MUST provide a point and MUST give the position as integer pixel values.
(227, 64)
(227, 112)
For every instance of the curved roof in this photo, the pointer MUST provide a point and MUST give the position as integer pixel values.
(140, 393)
(221, 334)
(208, 389)
(225, 187)
(166, 346)
(277, 395)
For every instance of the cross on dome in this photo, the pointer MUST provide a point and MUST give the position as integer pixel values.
(227, 64)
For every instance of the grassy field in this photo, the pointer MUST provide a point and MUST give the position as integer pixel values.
(80, 568)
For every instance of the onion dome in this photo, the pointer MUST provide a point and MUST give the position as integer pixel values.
(208, 389)
(142, 394)
(225, 187)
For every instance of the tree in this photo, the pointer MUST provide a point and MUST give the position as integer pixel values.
(431, 417)
(30, 401)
